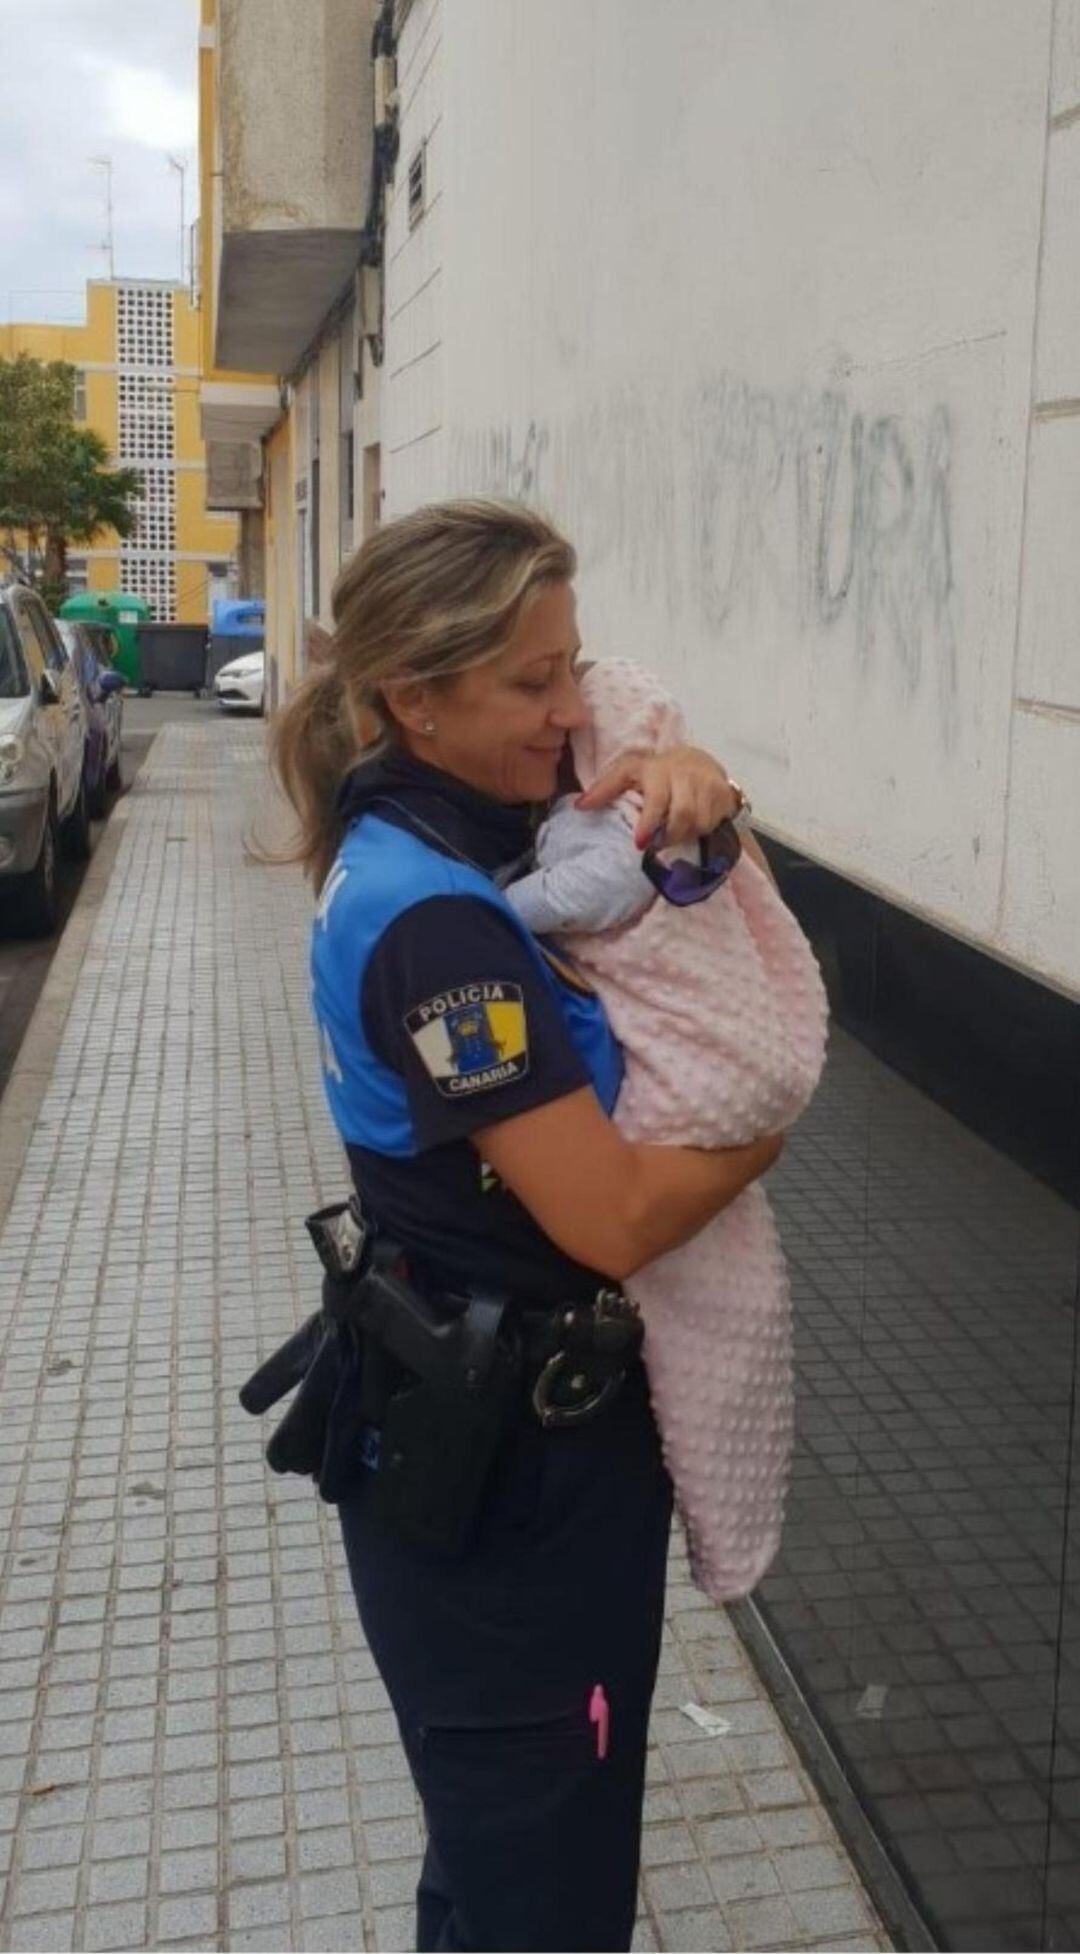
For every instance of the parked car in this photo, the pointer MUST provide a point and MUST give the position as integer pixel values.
(242, 682)
(42, 743)
(101, 689)
(111, 658)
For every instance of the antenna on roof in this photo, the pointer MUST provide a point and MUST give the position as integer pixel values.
(106, 163)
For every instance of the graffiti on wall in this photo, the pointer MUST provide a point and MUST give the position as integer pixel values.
(843, 517)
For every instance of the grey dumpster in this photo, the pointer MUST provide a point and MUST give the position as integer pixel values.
(173, 657)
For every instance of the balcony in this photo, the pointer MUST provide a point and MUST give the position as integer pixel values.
(295, 104)
(234, 416)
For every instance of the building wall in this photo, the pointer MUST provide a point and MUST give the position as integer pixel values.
(155, 374)
(414, 465)
(751, 309)
(323, 402)
(235, 408)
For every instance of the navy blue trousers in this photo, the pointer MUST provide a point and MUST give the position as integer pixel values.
(491, 1662)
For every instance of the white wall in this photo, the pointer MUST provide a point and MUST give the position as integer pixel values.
(412, 392)
(748, 297)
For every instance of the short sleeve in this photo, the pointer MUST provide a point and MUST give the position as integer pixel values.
(453, 1002)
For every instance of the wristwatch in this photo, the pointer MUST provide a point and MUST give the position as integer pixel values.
(740, 820)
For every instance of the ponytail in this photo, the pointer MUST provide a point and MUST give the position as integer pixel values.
(310, 751)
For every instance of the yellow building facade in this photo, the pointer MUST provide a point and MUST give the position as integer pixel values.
(138, 365)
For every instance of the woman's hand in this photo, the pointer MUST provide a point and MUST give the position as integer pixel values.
(684, 791)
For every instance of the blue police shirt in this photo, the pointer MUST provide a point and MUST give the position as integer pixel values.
(439, 1014)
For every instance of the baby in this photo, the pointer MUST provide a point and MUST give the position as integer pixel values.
(721, 1014)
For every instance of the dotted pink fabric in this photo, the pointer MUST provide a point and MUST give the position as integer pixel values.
(721, 1013)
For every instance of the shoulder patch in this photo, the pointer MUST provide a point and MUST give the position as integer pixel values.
(472, 1037)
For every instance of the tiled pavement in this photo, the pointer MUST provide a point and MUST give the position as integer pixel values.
(194, 1747)
(928, 1588)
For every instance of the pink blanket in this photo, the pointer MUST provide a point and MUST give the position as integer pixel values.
(721, 1013)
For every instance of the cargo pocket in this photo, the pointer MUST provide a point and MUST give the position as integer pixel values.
(535, 1835)
(560, 1732)
(508, 1774)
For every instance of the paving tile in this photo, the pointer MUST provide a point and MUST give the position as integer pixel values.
(258, 1906)
(119, 1879)
(257, 1858)
(671, 1888)
(334, 1892)
(61, 1845)
(47, 1931)
(337, 1934)
(743, 1876)
(113, 1927)
(187, 1872)
(193, 1917)
(395, 1928)
(764, 1923)
(694, 1930)
(45, 1892)
(805, 1867)
(829, 1911)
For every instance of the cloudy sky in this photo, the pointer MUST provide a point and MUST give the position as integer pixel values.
(87, 78)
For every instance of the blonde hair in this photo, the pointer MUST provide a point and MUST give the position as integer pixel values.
(426, 596)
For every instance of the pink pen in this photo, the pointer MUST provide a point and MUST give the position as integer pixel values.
(600, 1714)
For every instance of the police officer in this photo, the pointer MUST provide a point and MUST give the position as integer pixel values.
(471, 1075)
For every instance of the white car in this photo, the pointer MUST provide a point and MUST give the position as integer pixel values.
(242, 682)
(43, 796)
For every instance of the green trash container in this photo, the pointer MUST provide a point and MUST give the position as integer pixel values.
(125, 613)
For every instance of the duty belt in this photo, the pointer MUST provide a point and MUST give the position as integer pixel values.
(573, 1356)
(416, 1392)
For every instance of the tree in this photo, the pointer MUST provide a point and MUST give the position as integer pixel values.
(56, 487)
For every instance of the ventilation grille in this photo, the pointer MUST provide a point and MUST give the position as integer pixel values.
(144, 325)
(151, 577)
(147, 441)
(147, 429)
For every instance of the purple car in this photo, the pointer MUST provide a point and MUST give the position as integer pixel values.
(101, 690)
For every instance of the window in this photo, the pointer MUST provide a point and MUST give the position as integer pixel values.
(417, 186)
(33, 649)
(78, 394)
(51, 642)
(78, 578)
(348, 476)
(316, 539)
(372, 488)
(14, 683)
(347, 356)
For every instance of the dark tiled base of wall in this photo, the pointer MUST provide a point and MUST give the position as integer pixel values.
(996, 1048)
(928, 1590)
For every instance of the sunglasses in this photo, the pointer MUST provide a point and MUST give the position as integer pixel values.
(683, 882)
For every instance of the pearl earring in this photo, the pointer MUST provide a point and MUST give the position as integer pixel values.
(428, 726)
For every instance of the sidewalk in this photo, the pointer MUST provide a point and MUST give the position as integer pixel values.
(194, 1747)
